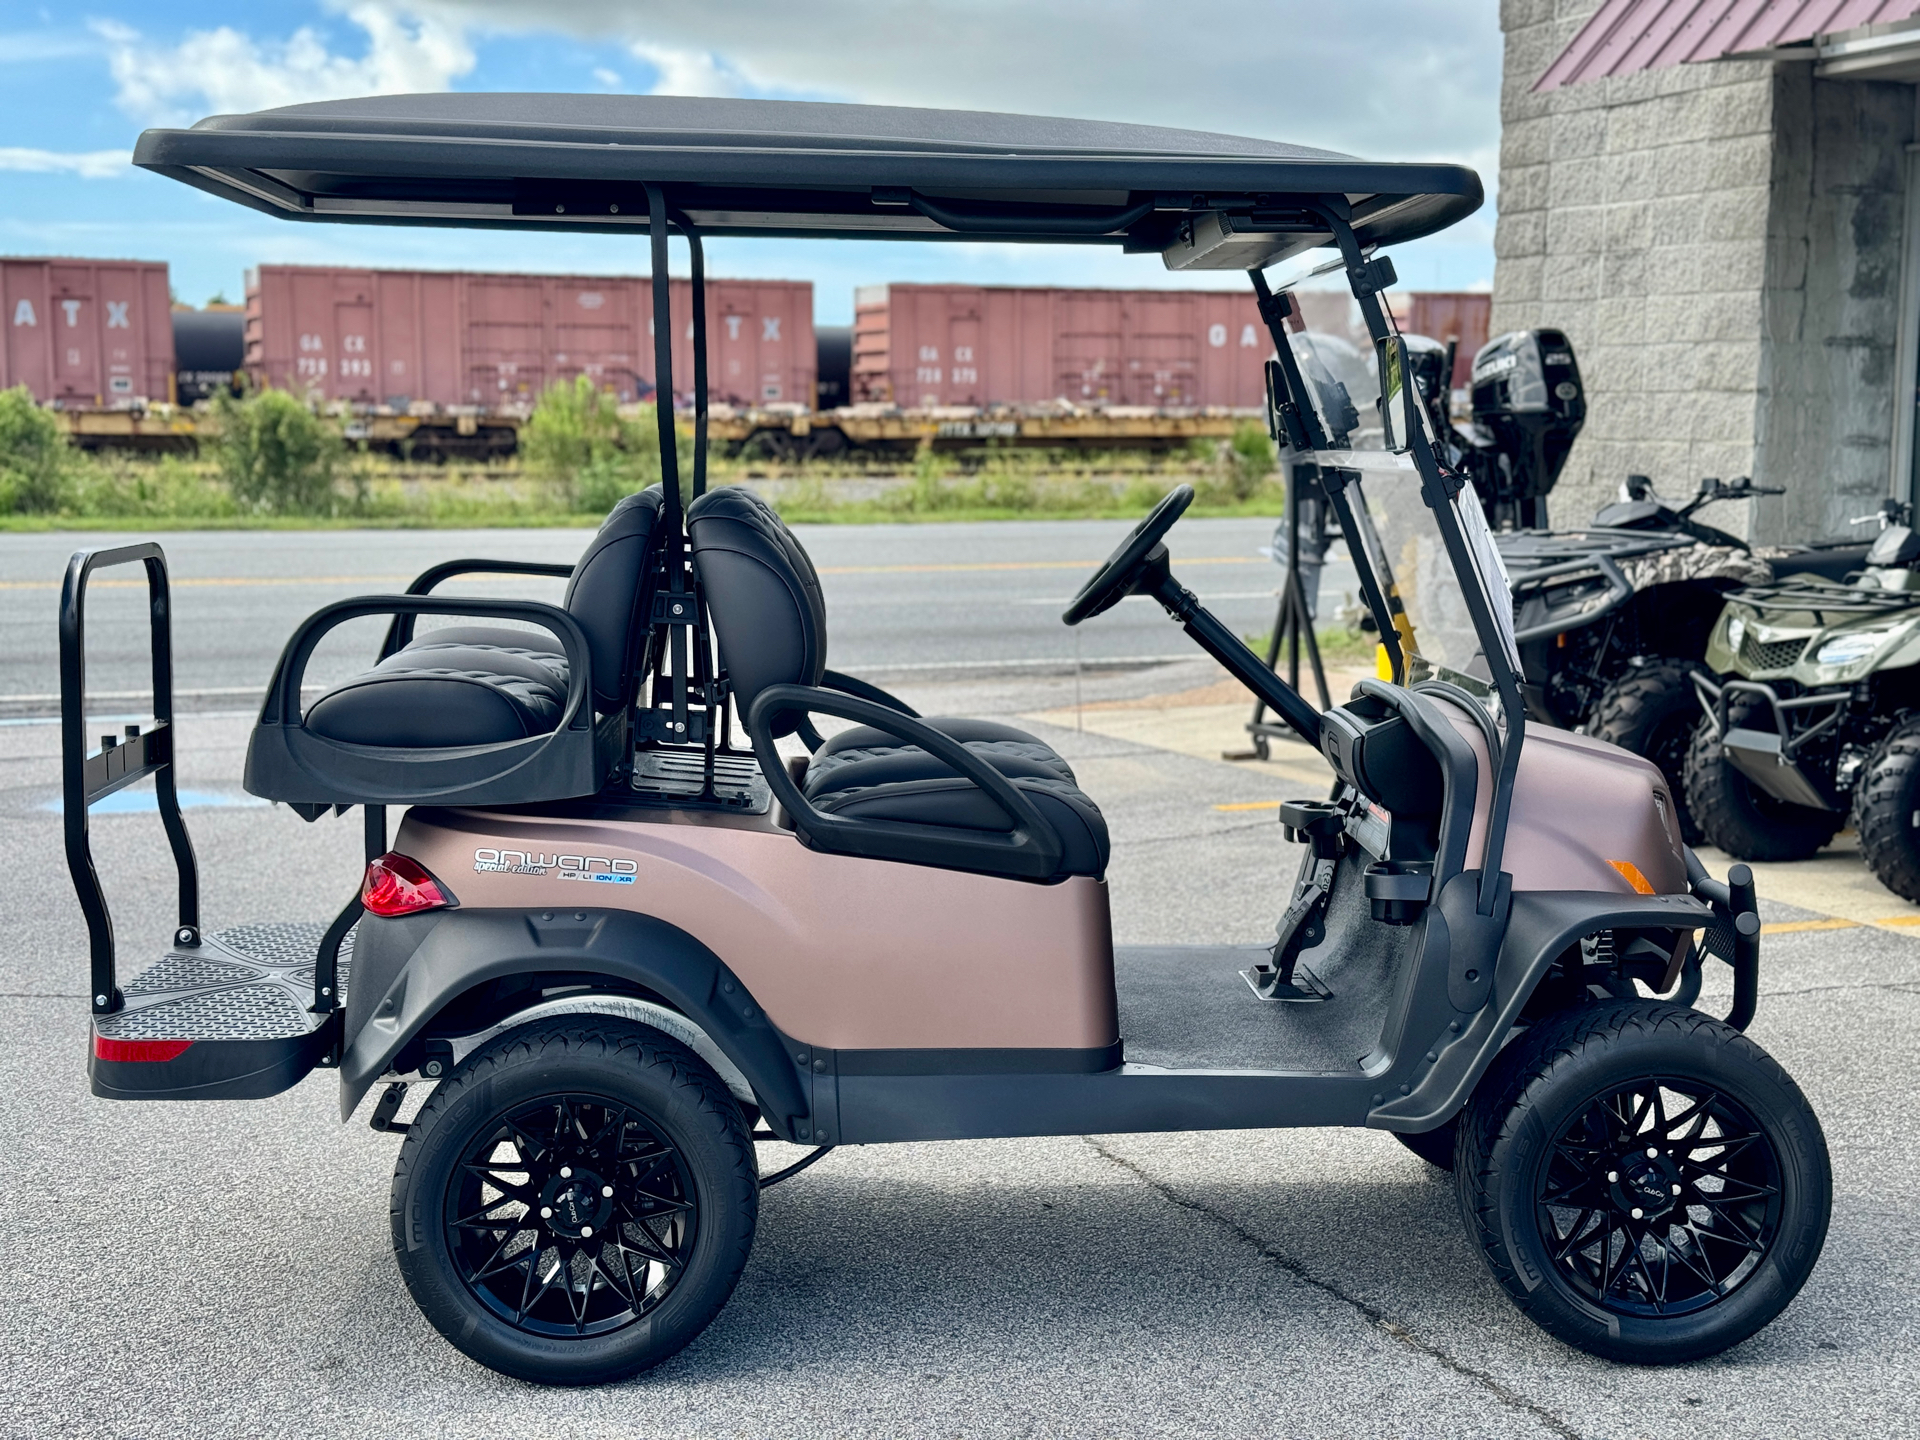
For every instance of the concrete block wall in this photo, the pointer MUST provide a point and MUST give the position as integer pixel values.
(1634, 216)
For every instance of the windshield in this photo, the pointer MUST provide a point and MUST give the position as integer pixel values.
(1399, 532)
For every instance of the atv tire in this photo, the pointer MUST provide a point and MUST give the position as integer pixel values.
(1742, 819)
(1652, 711)
(1886, 809)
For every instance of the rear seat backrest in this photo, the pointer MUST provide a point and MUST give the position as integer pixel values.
(611, 593)
(762, 594)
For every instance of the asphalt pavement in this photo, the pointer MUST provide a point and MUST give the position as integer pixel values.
(224, 1269)
(904, 599)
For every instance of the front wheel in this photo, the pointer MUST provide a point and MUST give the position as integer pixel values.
(1645, 1182)
(1886, 811)
(1740, 817)
(576, 1201)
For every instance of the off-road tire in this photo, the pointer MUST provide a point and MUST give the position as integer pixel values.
(1652, 710)
(675, 1093)
(1552, 1074)
(1734, 814)
(1886, 805)
(1433, 1146)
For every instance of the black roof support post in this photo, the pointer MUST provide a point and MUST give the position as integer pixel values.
(1439, 487)
(669, 449)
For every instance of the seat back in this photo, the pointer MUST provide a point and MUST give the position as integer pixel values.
(611, 594)
(763, 597)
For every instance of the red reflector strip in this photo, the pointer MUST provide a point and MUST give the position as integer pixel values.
(142, 1051)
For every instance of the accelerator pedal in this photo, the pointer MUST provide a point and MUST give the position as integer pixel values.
(227, 1019)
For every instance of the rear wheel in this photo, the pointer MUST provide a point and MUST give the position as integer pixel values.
(1886, 811)
(1652, 710)
(1742, 819)
(1646, 1182)
(575, 1202)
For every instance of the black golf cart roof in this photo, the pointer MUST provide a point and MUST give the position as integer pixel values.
(796, 168)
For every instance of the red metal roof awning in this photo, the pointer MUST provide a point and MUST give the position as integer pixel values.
(1628, 36)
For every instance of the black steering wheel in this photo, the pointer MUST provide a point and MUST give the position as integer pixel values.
(1115, 578)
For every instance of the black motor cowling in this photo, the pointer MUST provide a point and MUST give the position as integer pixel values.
(1527, 394)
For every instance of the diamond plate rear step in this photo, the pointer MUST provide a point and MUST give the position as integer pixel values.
(224, 1020)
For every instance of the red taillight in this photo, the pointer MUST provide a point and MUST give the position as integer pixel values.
(147, 1051)
(398, 885)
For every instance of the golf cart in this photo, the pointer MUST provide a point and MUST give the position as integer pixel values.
(620, 947)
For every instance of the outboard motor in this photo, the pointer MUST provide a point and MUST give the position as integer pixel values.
(1528, 397)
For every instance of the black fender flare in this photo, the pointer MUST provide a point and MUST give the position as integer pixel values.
(1541, 925)
(463, 948)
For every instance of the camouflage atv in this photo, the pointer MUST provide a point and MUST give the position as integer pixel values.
(1813, 716)
(1612, 618)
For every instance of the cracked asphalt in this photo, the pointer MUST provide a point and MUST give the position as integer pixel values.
(223, 1269)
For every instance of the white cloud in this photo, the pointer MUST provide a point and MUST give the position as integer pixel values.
(1391, 79)
(87, 164)
(226, 71)
(695, 71)
(609, 78)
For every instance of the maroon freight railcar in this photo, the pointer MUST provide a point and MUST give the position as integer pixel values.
(411, 339)
(85, 334)
(928, 345)
(1457, 315)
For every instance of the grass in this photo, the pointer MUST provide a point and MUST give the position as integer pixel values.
(1338, 646)
(280, 466)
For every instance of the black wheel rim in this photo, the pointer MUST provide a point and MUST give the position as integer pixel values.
(572, 1215)
(1659, 1198)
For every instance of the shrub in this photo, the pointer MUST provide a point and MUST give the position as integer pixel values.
(1250, 459)
(588, 454)
(36, 463)
(276, 455)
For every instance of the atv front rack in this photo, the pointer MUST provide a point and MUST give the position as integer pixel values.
(225, 1016)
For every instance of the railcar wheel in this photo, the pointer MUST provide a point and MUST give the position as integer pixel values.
(1743, 820)
(1886, 811)
(1652, 711)
(1646, 1182)
(575, 1202)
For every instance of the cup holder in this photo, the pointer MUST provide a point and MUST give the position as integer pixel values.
(1397, 891)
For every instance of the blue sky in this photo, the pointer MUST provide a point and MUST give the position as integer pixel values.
(1392, 79)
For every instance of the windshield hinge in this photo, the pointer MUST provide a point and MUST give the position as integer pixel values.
(1373, 277)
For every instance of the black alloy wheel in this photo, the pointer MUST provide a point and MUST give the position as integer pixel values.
(571, 1216)
(1645, 1182)
(576, 1201)
(1660, 1197)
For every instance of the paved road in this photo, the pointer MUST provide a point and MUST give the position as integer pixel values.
(898, 596)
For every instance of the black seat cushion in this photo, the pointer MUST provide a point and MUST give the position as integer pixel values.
(869, 791)
(990, 740)
(441, 693)
(763, 596)
(611, 593)
(483, 684)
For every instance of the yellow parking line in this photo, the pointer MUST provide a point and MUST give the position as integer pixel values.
(1789, 927)
(1899, 920)
(1250, 805)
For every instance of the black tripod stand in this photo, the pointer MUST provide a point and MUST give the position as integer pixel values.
(1293, 621)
